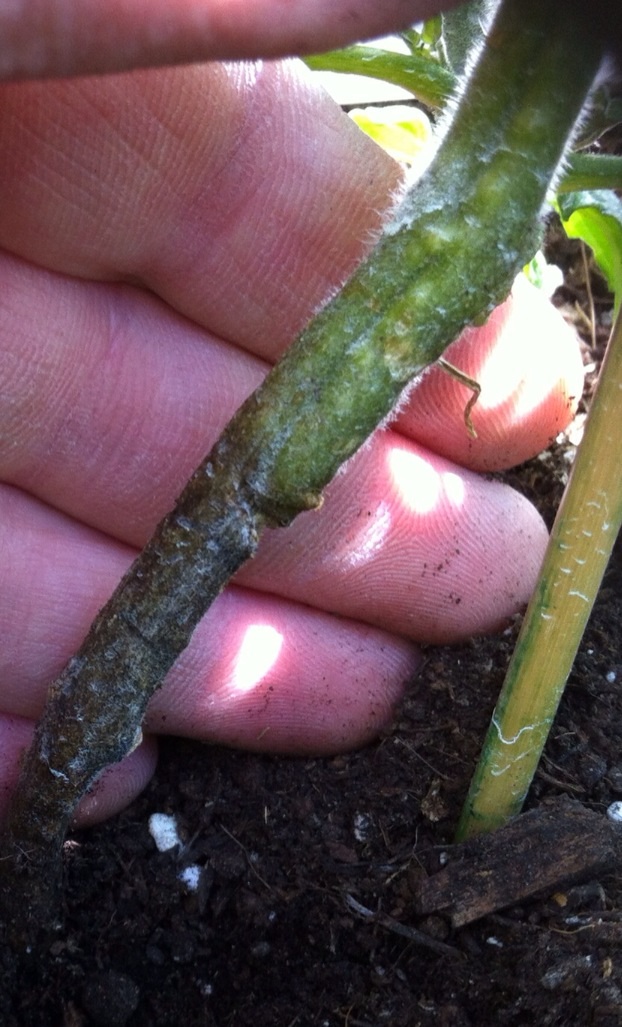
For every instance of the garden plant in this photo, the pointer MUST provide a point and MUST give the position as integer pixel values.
(449, 254)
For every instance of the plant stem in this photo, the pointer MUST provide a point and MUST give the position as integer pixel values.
(447, 257)
(463, 28)
(605, 108)
(591, 171)
(583, 535)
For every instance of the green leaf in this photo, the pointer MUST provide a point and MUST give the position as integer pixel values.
(432, 31)
(412, 38)
(404, 132)
(596, 217)
(418, 72)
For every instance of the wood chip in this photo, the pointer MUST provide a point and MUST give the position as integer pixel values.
(557, 844)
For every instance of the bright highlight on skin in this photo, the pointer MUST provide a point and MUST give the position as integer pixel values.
(371, 537)
(257, 655)
(503, 378)
(527, 394)
(419, 486)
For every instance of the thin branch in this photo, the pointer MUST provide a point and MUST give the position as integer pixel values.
(585, 529)
(591, 171)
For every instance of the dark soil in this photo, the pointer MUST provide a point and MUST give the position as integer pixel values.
(305, 912)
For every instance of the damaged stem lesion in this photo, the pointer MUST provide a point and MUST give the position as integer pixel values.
(425, 281)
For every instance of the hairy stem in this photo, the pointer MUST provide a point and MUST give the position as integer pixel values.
(447, 257)
(591, 171)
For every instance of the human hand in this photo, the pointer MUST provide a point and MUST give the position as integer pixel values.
(165, 235)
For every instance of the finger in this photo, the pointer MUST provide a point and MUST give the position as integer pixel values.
(259, 672)
(109, 398)
(110, 433)
(116, 788)
(63, 37)
(527, 362)
(411, 542)
(242, 195)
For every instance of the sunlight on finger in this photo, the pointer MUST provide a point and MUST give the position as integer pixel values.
(370, 538)
(420, 486)
(257, 655)
(534, 336)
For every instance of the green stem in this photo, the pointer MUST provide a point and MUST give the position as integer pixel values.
(464, 27)
(447, 257)
(591, 171)
(605, 108)
(583, 535)
(424, 77)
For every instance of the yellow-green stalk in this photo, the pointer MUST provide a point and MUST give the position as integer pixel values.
(583, 535)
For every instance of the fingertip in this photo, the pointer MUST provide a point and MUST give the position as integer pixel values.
(528, 363)
(331, 715)
(15, 737)
(269, 675)
(118, 786)
(467, 550)
(499, 564)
